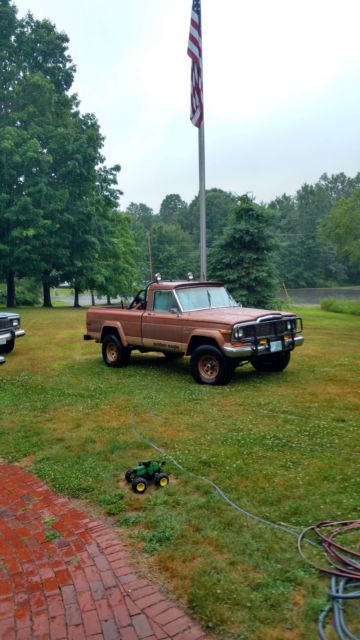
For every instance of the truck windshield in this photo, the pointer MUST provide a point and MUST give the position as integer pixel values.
(196, 298)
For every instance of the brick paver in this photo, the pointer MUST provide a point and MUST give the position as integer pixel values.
(66, 576)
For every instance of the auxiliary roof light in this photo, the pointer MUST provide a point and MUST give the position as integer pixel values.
(158, 277)
(190, 276)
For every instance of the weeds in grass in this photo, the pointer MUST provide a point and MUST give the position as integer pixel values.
(112, 502)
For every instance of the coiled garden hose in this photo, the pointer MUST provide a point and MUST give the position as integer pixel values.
(344, 568)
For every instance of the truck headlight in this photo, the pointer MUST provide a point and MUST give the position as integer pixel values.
(15, 322)
(238, 332)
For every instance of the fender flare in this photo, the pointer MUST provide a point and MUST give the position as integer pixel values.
(199, 336)
(111, 324)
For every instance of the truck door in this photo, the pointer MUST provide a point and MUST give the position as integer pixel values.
(162, 326)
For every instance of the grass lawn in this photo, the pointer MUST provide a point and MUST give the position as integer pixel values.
(283, 446)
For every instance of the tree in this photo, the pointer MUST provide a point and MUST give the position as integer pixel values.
(339, 185)
(117, 273)
(305, 256)
(243, 256)
(172, 251)
(37, 72)
(288, 257)
(172, 208)
(53, 185)
(77, 177)
(343, 227)
(218, 205)
(142, 217)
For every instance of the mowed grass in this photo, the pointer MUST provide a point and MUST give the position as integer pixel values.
(282, 446)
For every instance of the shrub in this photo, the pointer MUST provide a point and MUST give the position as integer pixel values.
(27, 293)
(340, 305)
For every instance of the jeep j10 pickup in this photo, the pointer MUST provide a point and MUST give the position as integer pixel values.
(199, 319)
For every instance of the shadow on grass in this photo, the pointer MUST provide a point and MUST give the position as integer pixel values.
(146, 363)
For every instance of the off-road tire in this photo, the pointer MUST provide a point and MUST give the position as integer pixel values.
(271, 362)
(161, 479)
(113, 352)
(139, 485)
(210, 366)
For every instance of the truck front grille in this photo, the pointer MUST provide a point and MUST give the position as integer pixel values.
(270, 329)
(5, 323)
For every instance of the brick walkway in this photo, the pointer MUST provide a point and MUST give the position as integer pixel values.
(63, 575)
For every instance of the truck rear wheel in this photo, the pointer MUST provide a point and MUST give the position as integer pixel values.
(114, 354)
(210, 366)
(271, 362)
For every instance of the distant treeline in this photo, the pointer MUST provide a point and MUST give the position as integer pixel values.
(312, 237)
(60, 218)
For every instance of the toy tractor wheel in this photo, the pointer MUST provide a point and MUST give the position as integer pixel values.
(139, 485)
(130, 475)
(161, 479)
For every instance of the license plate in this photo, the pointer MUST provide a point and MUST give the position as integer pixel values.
(276, 345)
(2, 341)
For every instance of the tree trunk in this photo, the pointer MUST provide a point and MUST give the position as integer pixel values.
(92, 298)
(108, 300)
(76, 297)
(11, 294)
(46, 292)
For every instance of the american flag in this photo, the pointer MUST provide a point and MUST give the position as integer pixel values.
(195, 53)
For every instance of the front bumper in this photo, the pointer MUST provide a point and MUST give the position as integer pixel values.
(2, 360)
(247, 351)
(10, 335)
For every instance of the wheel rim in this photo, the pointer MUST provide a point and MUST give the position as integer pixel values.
(140, 487)
(111, 352)
(163, 482)
(209, 367)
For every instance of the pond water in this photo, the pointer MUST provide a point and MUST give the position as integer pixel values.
(314, 296)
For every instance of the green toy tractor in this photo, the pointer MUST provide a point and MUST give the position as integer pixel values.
(147, 471)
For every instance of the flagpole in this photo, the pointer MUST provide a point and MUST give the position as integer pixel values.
(202, 202)
(197, 117)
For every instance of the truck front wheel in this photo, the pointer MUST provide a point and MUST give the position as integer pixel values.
(272, 362)
(114, 354)
(210, 366)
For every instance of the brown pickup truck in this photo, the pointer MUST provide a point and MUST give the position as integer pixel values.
(197, 319)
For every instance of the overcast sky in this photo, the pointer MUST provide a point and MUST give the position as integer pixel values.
(281, 88)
